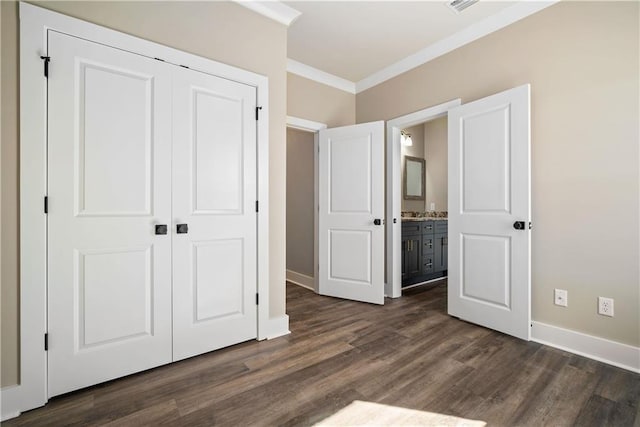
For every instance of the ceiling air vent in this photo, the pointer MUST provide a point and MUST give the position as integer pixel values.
(460, 5)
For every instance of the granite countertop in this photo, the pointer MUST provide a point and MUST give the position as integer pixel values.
(418, 219)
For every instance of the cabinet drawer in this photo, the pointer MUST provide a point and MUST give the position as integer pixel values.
(409, 228)
(428, 264)
(441, 226)
(428, 244)
(427, 227)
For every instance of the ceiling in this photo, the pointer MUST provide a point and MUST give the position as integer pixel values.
(355, 39)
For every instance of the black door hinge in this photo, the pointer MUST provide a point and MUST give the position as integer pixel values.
(46, 204)
(46, 342)
(258, 112)
(257, 299)
(256, 206)
(46, 60)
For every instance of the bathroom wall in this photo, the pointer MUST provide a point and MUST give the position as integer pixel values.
(415, 150)
(435, 154)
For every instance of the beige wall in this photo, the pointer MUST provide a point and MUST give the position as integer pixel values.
(300, 195)
(435, 154)
(582, 60)
(415, 150)
(310, 100)
(223, 31)
(315, 101)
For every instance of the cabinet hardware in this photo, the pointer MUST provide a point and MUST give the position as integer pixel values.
(182, 228)
(161, 228)
(377, 221)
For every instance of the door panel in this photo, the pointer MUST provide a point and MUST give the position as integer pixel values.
(489, 189)
(105, 150)
(109, 275)
(351, 193)
(214, 193)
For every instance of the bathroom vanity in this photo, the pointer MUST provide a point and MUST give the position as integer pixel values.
(424, 249)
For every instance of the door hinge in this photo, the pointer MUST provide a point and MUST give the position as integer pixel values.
(46, 60)
(257, 299)
(256, 206)
(46, 342)
(46, 204)
(258, 112)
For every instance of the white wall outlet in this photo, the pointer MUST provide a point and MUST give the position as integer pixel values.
(605, 306)
(432, 206)
(561, 297)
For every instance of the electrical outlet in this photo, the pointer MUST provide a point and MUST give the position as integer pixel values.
(561, 297)
(605, 306)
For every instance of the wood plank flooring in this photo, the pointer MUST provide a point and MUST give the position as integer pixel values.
(407, 353)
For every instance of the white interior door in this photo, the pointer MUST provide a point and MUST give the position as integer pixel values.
(489, 195)
(214, 197)
(351, 205)
(109, 148)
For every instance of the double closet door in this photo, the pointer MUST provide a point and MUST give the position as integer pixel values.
(151, 226)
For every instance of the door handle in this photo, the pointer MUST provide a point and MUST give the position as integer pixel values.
(182, 228)
(520, 225)
(161, 228)
(377, 221)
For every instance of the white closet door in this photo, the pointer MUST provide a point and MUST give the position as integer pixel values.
(109, 148)
(214, 198)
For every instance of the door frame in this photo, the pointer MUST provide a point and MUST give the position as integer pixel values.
(393, 283)
(34, 25)
(314, 127)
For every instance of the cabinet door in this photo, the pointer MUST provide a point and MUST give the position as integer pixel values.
(441, 247)
(411, 256)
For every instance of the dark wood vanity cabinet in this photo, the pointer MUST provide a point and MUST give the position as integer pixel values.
(411, 256)
(424, 251)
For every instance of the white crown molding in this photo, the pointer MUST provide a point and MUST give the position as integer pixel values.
(320, 76)
(275, 10)
(603, 350)
(480, 29)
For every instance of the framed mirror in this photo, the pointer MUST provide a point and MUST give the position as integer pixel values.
(414, 178)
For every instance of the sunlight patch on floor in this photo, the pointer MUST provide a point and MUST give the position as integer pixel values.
(360, 413)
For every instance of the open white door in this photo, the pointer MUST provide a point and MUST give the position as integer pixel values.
(490, 211)
(351, 209)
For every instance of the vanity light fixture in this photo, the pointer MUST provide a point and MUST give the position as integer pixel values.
(405, 139)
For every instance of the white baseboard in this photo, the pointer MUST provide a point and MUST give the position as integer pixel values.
(10, 402)
(300, 279)
(277, 327)
(613, 353)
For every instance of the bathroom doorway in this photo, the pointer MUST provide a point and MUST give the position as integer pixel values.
(428, 123)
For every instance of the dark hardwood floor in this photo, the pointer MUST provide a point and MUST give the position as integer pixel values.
(408, 353)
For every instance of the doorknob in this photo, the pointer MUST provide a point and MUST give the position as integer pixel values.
(377, 221)
(520, 225)
(161, 228)
(182, 228)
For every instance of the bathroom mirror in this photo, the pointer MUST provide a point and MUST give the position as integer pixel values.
(414, 178)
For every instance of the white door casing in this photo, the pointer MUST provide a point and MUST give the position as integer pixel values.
(109, 275)
(489, 190)
(393, 285)
(351, 198)
(35, 25)
(214, 194)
